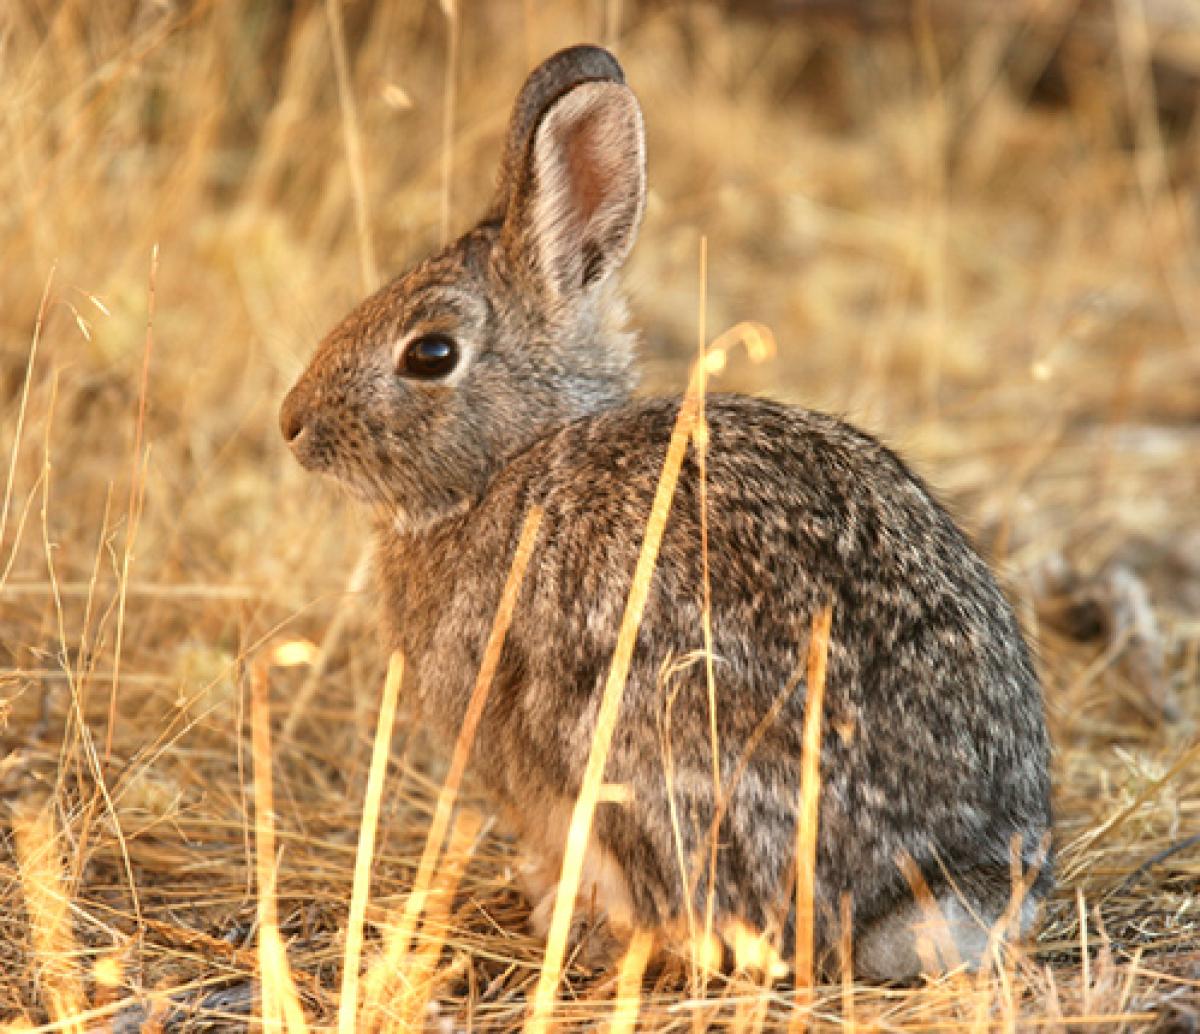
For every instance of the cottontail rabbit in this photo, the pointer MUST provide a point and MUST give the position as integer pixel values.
(496, 375)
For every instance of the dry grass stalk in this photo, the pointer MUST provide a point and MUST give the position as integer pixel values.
(353, 143)
(610, 703)
(279, 1005)
(935, 946)
(687, 425)
(629, 983)
(700, 446)
(419, 976)
(846, 962)
(807, 814)
(137, 489)
(19, 430)
(47, 903)
(449, 98)
(348, 1003)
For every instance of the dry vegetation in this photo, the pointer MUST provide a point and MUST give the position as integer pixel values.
(971, 229)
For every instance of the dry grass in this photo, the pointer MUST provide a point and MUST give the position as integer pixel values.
(973, 233)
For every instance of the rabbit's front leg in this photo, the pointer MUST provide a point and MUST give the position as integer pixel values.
(604, 913)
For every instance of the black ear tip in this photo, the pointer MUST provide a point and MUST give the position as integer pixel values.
(580, 63)
(557, 75)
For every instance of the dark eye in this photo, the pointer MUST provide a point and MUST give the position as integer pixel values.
(428, 357)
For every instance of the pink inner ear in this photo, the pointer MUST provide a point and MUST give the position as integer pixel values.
(588, 172)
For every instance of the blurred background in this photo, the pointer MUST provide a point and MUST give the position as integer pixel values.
(971, 226)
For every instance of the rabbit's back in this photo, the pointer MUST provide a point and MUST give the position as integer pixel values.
(934, 745)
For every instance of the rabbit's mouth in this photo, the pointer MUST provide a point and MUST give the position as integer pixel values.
(319, 451)
(316, 453)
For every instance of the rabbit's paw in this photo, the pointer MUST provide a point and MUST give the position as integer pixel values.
(595, 941)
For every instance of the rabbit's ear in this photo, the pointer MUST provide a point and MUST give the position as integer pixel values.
(573, 211)
(551, 79)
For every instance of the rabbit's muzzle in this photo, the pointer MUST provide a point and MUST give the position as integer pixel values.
(302, 430)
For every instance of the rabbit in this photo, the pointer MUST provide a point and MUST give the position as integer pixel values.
(499, 374)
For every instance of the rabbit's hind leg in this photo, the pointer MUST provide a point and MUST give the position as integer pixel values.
(939, 936)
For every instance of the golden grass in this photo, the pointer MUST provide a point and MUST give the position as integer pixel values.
(279, 1006)
(47, 902)
(365, 854)
(808, 818)
(1004, 287)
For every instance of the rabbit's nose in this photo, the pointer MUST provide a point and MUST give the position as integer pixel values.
(291, 418)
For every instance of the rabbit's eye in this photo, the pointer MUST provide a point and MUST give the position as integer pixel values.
(430, 356)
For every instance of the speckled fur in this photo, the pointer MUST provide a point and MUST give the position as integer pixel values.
(934, 745)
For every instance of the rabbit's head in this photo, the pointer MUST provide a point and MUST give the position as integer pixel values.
(425, 389)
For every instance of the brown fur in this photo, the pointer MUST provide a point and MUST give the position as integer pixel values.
(936, 747)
